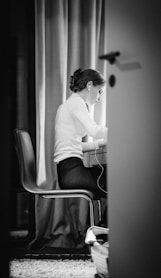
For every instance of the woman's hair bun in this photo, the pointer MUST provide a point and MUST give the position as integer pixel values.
(73, 80)
(77, 73)
(79, 79)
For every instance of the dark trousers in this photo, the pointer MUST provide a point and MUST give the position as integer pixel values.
(72, 174)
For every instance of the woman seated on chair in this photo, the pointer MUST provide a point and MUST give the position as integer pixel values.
(72, 123)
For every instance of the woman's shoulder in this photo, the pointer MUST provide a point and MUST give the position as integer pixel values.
(75, 101)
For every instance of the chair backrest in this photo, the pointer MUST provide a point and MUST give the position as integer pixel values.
(26, 159)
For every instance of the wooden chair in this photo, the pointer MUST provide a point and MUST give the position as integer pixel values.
(26, 158)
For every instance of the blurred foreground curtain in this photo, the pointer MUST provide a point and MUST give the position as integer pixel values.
(69, 34)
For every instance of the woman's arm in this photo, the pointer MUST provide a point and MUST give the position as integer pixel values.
(91, 146)
(94, 130)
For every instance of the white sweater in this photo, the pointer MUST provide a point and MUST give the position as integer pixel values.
(73, 122)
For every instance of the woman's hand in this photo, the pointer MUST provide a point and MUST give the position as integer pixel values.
(102, 143)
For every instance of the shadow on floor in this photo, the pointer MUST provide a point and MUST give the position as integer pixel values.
(19, 249)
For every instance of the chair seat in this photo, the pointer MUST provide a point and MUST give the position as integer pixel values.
(58, 192)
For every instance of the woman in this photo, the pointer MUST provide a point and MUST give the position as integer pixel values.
(73, 122)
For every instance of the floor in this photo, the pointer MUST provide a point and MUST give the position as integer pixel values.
(50, 268)
(49, 262)
(19, 250)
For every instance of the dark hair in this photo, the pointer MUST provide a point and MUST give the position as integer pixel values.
(79, 79)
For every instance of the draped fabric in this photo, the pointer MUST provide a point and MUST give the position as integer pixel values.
(69, 34)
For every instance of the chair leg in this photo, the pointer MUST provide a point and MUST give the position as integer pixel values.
(99, 210)
(91, 208)
(92, 216)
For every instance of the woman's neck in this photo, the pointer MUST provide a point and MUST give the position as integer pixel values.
(85, 96)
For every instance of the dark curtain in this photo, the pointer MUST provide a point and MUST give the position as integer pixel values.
(21, 94)
(17, 48)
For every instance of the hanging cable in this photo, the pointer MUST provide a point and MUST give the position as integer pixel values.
(102, 170)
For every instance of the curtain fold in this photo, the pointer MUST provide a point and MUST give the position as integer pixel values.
(69, 34)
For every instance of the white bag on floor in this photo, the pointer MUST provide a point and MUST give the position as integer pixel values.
(96, 238)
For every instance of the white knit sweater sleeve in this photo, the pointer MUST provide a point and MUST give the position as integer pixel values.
(94, 130)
